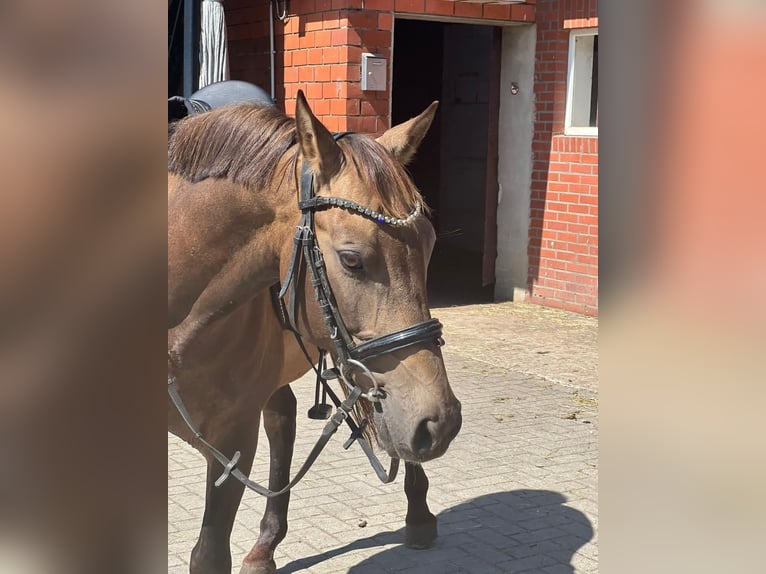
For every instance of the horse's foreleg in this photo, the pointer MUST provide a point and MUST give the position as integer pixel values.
(279, 423)
(421, 528)
(212, 553)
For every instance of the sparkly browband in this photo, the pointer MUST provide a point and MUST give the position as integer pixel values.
(321, 201)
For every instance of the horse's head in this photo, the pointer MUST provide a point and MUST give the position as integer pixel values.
(376, 267)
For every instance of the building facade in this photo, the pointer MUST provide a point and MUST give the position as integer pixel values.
(511, 165)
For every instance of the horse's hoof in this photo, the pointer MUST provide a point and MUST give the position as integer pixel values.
(420, 536)
(261, 568)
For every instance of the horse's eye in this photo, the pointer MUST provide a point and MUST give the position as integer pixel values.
(350, 260)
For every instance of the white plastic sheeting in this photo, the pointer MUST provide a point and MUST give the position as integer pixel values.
(214, 54)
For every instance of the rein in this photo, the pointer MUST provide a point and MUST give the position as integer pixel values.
(350, 356)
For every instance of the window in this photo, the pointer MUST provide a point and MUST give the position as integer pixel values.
(582, 83)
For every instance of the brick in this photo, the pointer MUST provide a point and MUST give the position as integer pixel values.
(570, 177)
(411, 6)
(589, 180)
(314, 56)
(374, 108)
(289, 27)
(344, 107)
(589, 158)
(353, 37)
(578, 228)
(345, 72)
(581, 168)
(587, 219)
(300, 58)
(312, 25)
(354, 4)
(319, 105)
(385, 21)
(577, 208)
(333, 123)
(339, 37)
(468, 10)
(556, 206)
(569, 217)
(323, 39)
(556, 225)
(314, 91)
(306, 74)
(376, 38)
(291, 41)
(497, 11)
(382, 5)
(362, 124)
(307, 40)
(350, 54)
(322, 73)
(363, 20)
(330, 20)
(330, 90)
(331, 55)
(354, 89)
(290, 75)
(578, 268)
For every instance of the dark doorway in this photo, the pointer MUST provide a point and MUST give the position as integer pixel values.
(455, 169)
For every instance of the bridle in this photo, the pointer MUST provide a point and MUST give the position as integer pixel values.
(350, 356)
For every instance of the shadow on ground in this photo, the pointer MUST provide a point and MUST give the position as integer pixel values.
(521, 530)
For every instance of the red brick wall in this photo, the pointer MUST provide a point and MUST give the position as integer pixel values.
(319, 50)
(563, 234)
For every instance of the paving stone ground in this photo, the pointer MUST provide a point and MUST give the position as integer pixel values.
(515, 493)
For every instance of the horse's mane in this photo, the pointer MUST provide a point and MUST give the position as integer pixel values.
(244, 143)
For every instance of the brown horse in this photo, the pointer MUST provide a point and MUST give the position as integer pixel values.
(234, 176)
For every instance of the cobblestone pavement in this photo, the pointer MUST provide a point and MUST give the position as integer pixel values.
(516, 492)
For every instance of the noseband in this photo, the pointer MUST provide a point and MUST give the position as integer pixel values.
(350, 355)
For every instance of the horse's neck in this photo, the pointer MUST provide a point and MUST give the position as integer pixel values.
(224, 246)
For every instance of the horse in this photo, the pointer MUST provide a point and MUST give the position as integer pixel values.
(359, 238)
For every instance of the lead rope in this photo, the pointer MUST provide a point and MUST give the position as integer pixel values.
(230, 464)
(342, 413)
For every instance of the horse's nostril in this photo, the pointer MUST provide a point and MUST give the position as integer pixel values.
(423, 440)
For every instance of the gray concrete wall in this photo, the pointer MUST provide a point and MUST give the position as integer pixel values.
(515, 161)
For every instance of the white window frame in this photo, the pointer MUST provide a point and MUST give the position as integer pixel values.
(569, 129)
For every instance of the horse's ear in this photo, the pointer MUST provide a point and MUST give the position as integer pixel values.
(403, 140)
(317, 145)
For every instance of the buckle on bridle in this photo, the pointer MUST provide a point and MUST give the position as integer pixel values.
(375, 393)
(230, 466)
